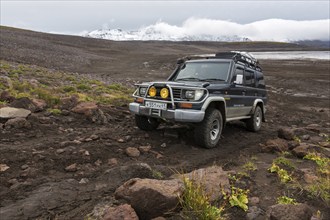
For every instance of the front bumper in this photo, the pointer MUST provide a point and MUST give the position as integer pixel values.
(179, 115)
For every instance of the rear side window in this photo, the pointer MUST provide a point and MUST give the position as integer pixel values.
(249, 78)
(260, 81)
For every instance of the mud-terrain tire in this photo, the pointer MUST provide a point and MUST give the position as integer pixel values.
(145, 123)
(208, 132)
(254, 123)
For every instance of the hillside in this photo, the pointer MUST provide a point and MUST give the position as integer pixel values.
(104, 57)
(70, 155)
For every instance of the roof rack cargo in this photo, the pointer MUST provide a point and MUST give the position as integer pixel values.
(240, 56)
(237, 56)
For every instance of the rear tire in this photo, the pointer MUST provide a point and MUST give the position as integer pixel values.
(254, 123)
(146, 123)
(208, 132)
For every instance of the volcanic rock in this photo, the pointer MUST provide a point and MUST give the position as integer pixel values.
(17, 123)
(132, 152)
(289, 211)
(143, 194)
(9, 112)
(124, 212)
(286, 133)
(276, 145)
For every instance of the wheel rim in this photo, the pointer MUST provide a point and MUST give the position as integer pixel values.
(258, 118)
(215, 129)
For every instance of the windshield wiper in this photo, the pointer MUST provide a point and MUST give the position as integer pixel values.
(212, 79)
(188, 79)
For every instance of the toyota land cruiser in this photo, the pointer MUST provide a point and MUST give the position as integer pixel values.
(206, 91)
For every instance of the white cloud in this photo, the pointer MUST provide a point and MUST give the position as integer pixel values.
(265, 30)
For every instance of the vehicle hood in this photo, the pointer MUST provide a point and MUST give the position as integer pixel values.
(176, 84)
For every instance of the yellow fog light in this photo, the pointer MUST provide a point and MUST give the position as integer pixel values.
(164, 93)
(152, 91)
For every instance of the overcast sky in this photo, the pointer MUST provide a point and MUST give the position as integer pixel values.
(77, 16)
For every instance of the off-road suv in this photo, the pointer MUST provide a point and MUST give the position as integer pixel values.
(206, 92)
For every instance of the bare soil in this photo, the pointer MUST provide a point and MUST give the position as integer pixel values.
(37, 184)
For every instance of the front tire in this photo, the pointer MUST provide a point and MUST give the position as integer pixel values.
(208, 132)
(146, 123)
(254, 123)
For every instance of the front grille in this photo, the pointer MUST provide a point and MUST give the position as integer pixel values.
(176, 93)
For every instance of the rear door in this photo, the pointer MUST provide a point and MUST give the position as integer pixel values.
(250, 90)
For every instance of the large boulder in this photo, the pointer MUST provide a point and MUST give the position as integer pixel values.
(85, 108)
(276, 145)
(17, 123)
(68, 103)
(39, 104)
(150, 197)
(25, 103)
(286, 133)
(127, 172)
(213, 180)
(123, 212)
(302, 150)
(289, 212)
(91, 111)
(98, 117)
(9, 112)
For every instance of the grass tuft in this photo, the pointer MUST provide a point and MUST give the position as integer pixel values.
(52, 85)
(195, 203)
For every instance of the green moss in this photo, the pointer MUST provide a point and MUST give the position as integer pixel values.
(284, 161)
(54, 111)
(68, 89)
(116, 86)
(50, 98)
(52, 87)
(83, 87)
(70, 78)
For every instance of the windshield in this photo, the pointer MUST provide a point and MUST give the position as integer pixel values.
(203, 71)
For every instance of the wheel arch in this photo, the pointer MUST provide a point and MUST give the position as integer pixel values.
(260, 103)
(217, 103)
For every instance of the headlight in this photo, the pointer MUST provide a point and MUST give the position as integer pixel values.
(190, 94)
(142, 91)
(198, 94)
(152, 91)
(194, 94)
(164, 93)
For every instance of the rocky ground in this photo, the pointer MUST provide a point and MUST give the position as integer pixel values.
(71, 151)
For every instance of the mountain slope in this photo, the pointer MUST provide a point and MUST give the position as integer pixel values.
(114, 58)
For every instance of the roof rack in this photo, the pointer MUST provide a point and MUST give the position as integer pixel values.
(240, 56)
(237, 56)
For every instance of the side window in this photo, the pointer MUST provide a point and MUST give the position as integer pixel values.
(249, 78)
(238, 75)
(260, 83)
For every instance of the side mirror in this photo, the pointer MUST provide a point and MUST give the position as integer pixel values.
(239, 80)
(180, 61)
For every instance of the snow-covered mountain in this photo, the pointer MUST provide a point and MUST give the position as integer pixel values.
(150, 33)
(198, 29)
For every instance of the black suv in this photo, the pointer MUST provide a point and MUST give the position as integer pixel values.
(206, 91)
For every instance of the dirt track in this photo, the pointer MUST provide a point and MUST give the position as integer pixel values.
(37, 184)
